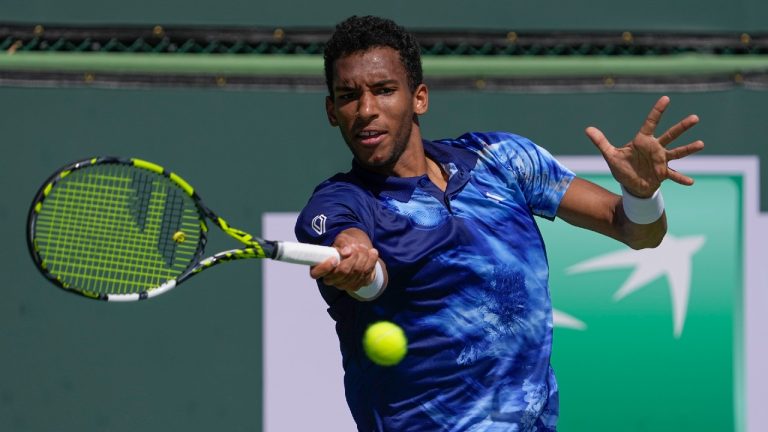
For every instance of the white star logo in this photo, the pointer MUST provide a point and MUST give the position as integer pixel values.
(562, 319)
(673, 259)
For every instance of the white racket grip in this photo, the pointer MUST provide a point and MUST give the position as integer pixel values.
(302, 253)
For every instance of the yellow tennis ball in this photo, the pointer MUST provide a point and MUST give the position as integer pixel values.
(179, 237)
(385, 343)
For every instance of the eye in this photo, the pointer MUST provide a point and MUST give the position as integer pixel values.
(346, 96)
(385, 90)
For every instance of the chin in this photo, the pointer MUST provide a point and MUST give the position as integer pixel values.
(375, 162)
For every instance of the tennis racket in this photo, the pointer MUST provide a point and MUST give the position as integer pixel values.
(120, 229)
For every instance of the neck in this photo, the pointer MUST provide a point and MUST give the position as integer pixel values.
(414, 162)
(437, 175)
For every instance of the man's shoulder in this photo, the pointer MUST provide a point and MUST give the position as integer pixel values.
(342, 182)
(340, 179)
(339, 202)
(479, 141)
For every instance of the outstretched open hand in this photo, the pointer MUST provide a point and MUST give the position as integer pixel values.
(642, 164)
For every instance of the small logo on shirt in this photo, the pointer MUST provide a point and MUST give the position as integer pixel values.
(318, 224)
(494, 197)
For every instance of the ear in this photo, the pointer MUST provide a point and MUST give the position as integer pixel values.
(330, 107)
(421, 99)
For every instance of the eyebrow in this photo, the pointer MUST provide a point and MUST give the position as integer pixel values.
(376, 84)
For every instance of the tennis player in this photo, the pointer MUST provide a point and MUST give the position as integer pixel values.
(450, 224)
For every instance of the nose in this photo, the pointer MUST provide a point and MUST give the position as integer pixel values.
(367, 107)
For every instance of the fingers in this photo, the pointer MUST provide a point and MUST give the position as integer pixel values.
(679, 178)
(679, 153)
(649, 126)
(675, 131)
(322, 269)
(644, 160)
(686, 150)
(599, 140)
(355, 270)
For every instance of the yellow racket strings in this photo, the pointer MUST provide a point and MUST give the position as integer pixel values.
(115, 229)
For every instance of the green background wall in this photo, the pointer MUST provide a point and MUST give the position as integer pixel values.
(191, 360)
(682, 15)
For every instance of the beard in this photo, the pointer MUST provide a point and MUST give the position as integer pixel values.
(388, 162)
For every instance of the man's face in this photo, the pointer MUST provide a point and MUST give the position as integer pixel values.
(374, 108)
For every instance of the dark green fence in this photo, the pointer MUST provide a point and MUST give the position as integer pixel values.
(748, 15)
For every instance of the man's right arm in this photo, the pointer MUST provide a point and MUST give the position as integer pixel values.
(357, 268)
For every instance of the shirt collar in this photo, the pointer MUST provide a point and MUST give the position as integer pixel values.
(443, 152)
(401, 188)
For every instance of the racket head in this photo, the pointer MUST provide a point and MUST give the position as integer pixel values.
(116, 229)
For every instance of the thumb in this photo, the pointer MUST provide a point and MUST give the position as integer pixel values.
(599, 140)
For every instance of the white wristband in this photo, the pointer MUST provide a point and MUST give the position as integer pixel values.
(370, 292)
(642, 211)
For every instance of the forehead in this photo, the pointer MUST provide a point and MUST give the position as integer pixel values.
(375, 64)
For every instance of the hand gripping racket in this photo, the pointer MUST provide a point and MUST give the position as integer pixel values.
(121, 229)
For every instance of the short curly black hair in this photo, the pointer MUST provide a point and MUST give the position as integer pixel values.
(356, 34)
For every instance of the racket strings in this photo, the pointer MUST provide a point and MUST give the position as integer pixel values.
(140, 201)
(110, 229)
(171, 224)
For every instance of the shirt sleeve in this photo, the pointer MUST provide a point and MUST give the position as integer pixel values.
(541, 178)
(333, 208)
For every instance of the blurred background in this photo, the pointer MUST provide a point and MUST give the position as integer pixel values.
(230, 95)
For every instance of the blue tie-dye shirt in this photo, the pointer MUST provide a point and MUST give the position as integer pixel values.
(468, 282)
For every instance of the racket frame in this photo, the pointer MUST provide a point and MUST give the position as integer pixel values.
(255, 246)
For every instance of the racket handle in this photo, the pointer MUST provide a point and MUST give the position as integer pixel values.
(302, 253)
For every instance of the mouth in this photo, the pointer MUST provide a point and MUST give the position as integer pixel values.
(370, 137)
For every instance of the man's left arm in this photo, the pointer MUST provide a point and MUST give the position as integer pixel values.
(637, 217)
(590, 206)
